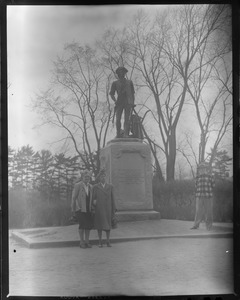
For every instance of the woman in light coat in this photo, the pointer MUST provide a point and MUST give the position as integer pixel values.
(104, 207)
(81, 206)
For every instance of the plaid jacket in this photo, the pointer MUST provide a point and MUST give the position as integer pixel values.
(204, 185)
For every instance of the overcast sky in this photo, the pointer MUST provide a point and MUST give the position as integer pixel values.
(35, 36)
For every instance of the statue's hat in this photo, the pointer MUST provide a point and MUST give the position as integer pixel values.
(123, 69)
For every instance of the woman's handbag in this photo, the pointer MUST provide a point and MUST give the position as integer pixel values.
(114, 222)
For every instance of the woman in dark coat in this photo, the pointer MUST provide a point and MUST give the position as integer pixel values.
(104, 207)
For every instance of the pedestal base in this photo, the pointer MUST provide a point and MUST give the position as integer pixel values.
(126, 216)
(128, 168)
(127, 162)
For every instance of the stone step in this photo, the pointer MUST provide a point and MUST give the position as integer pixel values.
(137, 215)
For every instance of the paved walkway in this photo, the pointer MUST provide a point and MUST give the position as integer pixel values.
(175, 266)
(160, 257)
(126, 231)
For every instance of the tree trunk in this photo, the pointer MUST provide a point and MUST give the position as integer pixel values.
(154, 153)
(202, 148)
(171, 157)
(159, 171)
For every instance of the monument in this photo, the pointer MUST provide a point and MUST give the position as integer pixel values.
(125, 100)
(127, 160)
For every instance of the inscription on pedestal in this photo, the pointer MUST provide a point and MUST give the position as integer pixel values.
(128, 167)
(129, 180)
(130, 176)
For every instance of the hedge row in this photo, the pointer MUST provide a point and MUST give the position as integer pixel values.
(174, 200)
(27, 209)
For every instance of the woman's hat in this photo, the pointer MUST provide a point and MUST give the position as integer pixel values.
(121, 69)
(101, 172)
(86, 173)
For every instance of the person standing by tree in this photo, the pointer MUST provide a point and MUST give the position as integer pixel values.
(104, 207)
(81, 205)
(204, 196)
(125, 100)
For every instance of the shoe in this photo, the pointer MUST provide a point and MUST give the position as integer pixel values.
(88, 245)
(109, 245)
(100, 245)
(194, 227)
(83, 245)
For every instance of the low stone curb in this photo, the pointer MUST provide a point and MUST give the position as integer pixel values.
(70, 243)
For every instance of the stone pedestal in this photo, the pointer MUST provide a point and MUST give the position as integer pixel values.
(128, 167)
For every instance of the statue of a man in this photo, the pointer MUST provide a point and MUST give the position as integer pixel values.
(125, 100)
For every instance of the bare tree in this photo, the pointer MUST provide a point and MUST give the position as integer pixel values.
(185, 147)
(154, 149)
(210, 88)
(214, 113)
(166, 54)
(209, 84)
(78, 103)
(113, 47)
(160, 77)
(171, 58)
